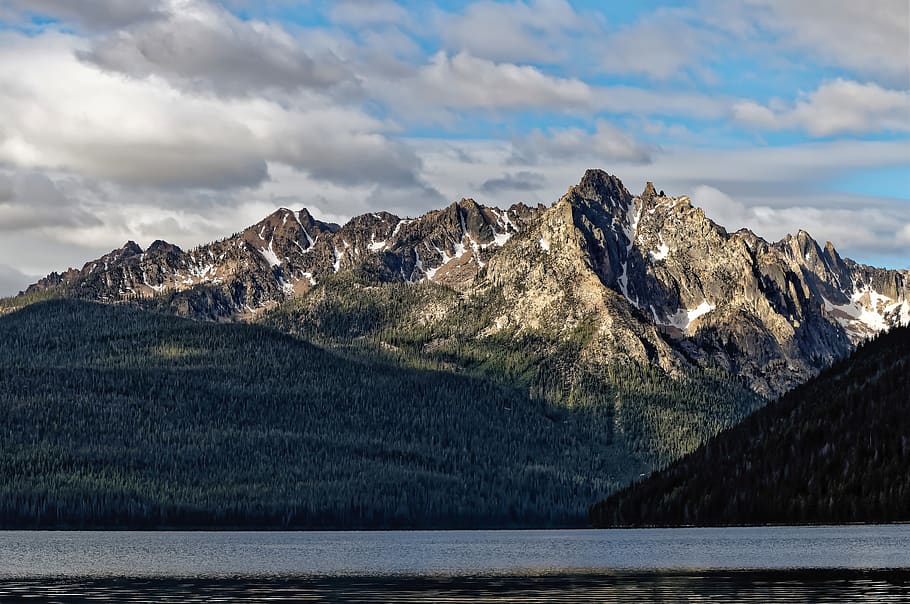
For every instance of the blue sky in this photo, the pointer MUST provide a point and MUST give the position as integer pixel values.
(188, 119)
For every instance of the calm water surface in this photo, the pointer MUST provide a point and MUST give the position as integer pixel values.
(827, 564)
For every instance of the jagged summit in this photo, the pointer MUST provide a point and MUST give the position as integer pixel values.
(663, 283)
(599, 186)
(650, 191)
(163, 247)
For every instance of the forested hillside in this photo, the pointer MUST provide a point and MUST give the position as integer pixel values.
(655, 418)
(114, 417)
(831, 451)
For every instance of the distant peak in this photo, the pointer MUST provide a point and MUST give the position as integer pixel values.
(601, 186)
(130, 247)
(160, 246)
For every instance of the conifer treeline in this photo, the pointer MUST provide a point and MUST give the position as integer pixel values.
(833, 450)
(114, 416)
(656, 418)
(120, 418)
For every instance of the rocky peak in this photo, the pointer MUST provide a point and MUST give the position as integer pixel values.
(599, 186)
(130, 248)
(665, 283)
(649, 191)
(162, 248)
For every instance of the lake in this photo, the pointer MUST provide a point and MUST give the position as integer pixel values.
(832, 564)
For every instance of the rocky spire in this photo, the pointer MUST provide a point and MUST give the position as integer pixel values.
(605, 188)
(649, 191)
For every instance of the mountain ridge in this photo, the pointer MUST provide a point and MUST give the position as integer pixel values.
(675, 288)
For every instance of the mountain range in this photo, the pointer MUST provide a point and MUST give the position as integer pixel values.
(657, 281)
(473, 366)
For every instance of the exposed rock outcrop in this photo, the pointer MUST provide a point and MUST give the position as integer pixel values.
(658, 280)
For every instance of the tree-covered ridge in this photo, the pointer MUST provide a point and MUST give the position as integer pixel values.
(655, 417)
(831, 451)
(118, 417)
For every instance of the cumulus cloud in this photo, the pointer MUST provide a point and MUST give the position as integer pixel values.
(403, 200)
(662, 45)
(607, 143)
(179, 119)
(866, 37)
(903, 236)
(835, 107)
(201, 46)
(772, 190)
(465, 82)
(146, 132)
(644, 102)
(468, 84)
(534, 31)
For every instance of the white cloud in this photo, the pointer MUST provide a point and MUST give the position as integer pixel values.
(447, 85)
(534, 31)
(835, 107)
(465, 82)
(772, 190)
(201, 46)
(606, 144)
(867, 37)
(146, 132)
(185, 122)
(31, 200)
(866, 230)
(903, 235)
(669, 102)
(661, 45)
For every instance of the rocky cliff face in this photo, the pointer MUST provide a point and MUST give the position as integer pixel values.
(289, 252)
(657, 280)
(773, 313)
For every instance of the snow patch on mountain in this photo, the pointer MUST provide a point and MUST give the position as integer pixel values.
(662, 250)
(684, 317)
(868, 312)
(269, 254)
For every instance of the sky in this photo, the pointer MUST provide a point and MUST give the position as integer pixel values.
(188, 120)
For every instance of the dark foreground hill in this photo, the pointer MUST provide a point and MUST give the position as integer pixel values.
(113, 417)
(834, 450)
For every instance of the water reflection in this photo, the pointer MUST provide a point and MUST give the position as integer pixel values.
(25, 554)
(831, 585)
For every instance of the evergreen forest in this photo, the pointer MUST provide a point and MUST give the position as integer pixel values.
(834, 450)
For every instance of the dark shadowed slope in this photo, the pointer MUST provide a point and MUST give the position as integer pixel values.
(117, 417)
(836, 449)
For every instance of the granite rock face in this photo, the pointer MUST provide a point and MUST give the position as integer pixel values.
(656, 280)
(289, 252)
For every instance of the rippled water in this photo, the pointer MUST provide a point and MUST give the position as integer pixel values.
(825, 564)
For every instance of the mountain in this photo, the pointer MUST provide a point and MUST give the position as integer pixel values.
(116, 417)
(833, 450)
(664, 284)
(637, 312)
(288, 253)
